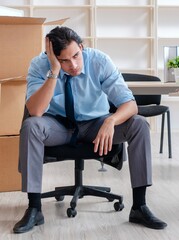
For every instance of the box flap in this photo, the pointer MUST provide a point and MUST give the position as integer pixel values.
(9, 20)
(18, 78)
(57, 22)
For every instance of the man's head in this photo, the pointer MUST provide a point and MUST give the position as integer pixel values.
(67, 47)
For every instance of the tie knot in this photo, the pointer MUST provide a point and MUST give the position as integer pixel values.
(68, 78)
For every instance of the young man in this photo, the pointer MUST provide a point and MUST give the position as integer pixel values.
(94, 81)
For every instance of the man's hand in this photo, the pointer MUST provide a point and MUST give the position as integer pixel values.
(104, 138)
(55, 64)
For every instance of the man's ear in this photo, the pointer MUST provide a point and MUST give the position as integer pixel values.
(81, 46)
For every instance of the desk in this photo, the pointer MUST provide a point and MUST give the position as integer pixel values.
(152, 88)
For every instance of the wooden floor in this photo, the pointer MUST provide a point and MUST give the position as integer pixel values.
(96, 218)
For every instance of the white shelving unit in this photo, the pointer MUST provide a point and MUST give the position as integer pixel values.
(126, 35)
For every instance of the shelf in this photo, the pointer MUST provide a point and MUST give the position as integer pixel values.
(61, 6)
(124, 2)
(19, 6)
(126, 6)
(168, 6)
(168, 38)
(10, 3)
(124, 38)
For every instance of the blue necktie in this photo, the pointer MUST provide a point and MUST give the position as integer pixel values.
(69, 102)
(69, 108)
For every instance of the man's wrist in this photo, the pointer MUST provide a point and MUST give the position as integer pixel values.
(111, 119)
(51, 74)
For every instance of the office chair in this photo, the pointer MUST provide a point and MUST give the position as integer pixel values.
(83, 151)
(149, 106)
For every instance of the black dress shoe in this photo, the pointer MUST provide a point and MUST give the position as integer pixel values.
(31, 218)
(145, 217)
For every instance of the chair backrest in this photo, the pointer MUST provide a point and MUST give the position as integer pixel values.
(26, 114)
(143, 99)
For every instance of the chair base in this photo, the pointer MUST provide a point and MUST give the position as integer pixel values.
(79, 192)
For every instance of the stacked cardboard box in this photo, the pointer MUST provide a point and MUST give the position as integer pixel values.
(11, 111)
(21, 40)
(10, 179)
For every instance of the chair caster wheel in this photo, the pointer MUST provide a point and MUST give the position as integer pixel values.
(118, 206)
(71, 212)
(59, 198)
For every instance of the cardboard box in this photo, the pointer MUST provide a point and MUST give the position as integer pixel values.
(10, 178)
(21, 40)
(12, 105)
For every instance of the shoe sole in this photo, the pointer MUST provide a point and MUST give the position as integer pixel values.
(137, 221)
(37, 224)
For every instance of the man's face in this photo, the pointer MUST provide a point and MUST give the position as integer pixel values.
(71, 59)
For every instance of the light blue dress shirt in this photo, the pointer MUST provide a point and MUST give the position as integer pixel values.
(98, 82)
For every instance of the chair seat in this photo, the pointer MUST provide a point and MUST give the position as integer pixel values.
(153, 110)
(114, 158)
(83, 150)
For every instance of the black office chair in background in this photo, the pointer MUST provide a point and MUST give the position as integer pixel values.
(150, 106)
(83, 151)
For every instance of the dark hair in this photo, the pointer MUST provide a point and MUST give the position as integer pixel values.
(61, 37)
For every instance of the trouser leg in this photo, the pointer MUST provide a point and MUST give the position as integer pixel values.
(139, 154)
(136, 133)
(35, 133)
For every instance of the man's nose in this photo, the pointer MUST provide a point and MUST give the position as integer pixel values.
(73, 64)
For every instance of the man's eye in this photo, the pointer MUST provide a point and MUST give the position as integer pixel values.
(76, 55)
(63, 61)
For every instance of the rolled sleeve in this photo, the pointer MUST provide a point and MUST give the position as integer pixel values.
(36, 76)
(113, 84)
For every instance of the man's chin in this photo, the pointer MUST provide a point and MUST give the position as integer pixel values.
(75, 73)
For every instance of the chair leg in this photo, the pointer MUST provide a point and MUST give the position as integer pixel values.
(105, 189)
(88, 191)
(162, 133)
(169, 135)
(76, 196)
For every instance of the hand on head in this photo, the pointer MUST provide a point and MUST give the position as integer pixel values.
(55, 64)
